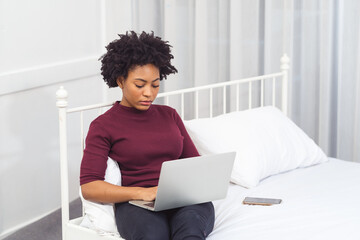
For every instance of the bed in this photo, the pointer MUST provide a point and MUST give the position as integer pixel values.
(275, 159)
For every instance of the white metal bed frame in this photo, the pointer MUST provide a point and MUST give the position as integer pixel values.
(70, 228)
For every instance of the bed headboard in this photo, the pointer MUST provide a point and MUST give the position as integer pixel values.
(230, 92)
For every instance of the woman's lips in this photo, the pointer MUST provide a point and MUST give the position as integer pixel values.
(145, 103)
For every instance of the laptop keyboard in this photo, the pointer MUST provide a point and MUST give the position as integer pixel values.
(152, 204)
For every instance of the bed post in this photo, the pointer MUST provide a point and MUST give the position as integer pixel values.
(61, 103)
(285, 70)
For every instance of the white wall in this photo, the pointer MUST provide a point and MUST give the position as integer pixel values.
(45, 44)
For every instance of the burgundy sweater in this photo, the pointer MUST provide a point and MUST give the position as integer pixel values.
(140, 141)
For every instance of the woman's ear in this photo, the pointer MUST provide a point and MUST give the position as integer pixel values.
(120, 81)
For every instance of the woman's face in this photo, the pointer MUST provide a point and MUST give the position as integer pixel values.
(141, 87)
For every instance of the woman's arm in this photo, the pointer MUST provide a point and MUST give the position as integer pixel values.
(93, 167)
(104, 192)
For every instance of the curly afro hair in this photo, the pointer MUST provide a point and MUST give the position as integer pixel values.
(132, 50)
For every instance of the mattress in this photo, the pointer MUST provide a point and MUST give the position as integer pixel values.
(319, 202)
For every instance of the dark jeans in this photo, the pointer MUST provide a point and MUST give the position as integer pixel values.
(191, 222)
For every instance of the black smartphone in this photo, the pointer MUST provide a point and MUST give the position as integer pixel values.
(261, 201)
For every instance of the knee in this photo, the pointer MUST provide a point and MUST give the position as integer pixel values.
(193, 228)
(192, 224)
(197, 215)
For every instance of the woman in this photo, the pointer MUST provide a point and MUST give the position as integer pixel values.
(140, 136)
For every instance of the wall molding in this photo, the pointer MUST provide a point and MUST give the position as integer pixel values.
(47, 74)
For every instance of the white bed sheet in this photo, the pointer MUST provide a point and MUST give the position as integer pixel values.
(319, 202)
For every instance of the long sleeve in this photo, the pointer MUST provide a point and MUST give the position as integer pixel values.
(94, 162)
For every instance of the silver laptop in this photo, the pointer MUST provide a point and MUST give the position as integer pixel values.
(191, 181)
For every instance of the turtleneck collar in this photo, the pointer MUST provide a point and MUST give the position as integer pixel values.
(131, 110)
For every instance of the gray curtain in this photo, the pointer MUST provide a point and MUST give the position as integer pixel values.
(218, 40)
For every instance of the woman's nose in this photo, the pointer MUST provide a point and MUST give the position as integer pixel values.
(147, 91)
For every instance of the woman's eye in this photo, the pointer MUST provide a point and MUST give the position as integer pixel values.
(156, 86)
(139, 86)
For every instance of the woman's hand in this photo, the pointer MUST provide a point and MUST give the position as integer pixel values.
(146, 194)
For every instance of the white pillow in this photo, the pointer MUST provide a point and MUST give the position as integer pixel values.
(101, 217)
(265, 140)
